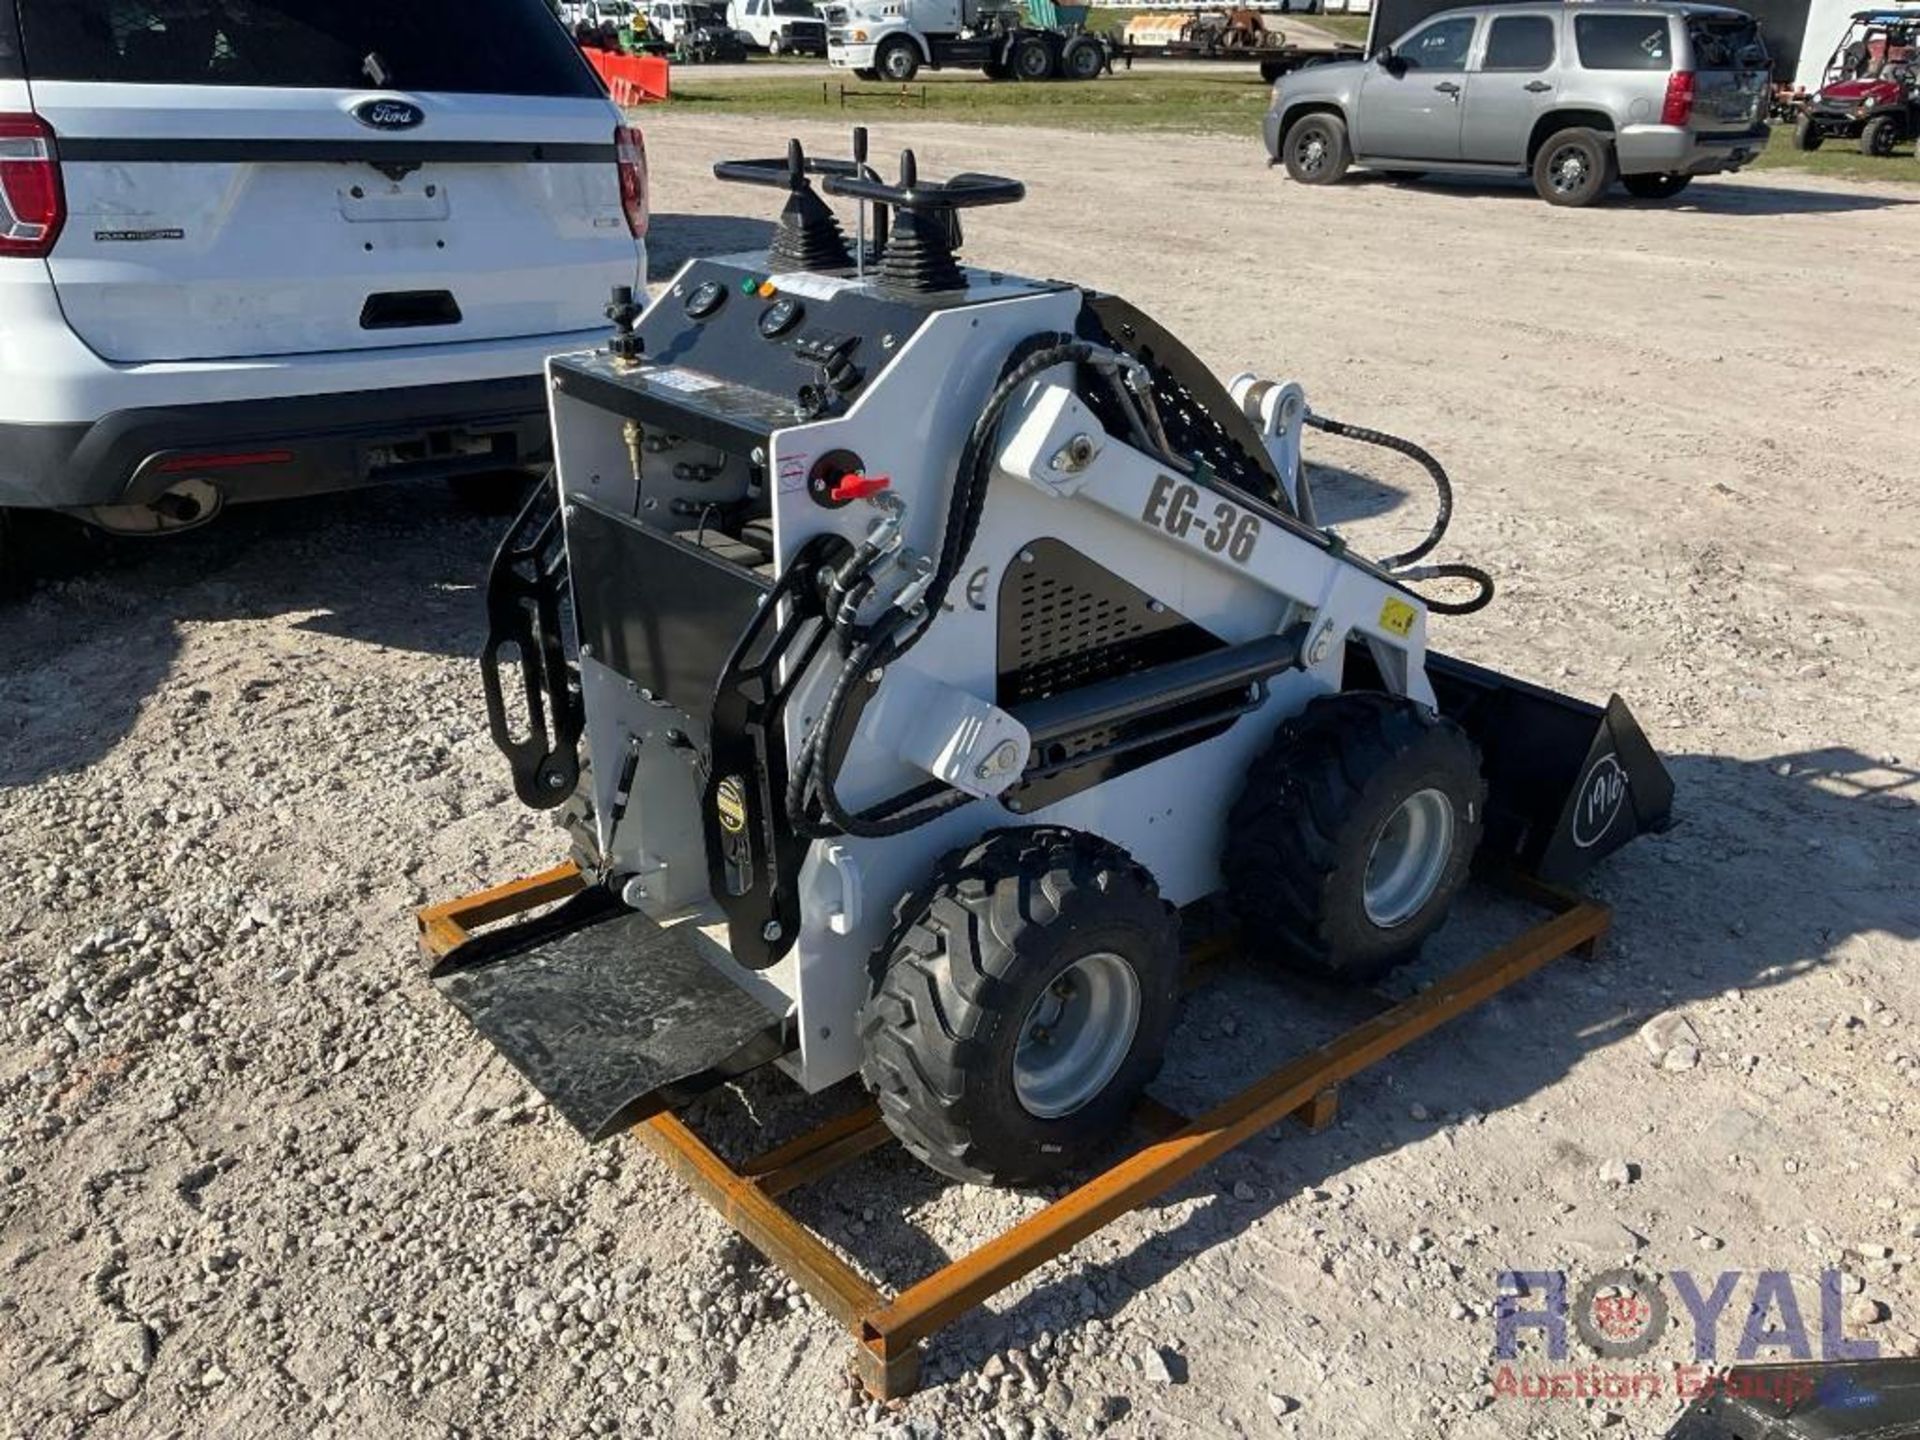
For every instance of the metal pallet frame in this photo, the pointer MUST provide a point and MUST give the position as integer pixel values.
(888, 1329)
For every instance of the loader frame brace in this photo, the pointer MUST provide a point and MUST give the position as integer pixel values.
(888, 1330)
(527, 592)
(748, 748)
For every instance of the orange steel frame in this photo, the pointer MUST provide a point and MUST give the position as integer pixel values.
(887, 1329)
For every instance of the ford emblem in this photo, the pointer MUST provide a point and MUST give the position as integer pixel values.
(389, 114)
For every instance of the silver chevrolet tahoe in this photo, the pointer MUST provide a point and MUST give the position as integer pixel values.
(1574, 94)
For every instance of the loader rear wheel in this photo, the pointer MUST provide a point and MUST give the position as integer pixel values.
(577, 819)
(1353, 835)
(1022, 1005)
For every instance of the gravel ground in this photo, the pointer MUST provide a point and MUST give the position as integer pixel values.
(256, 1179)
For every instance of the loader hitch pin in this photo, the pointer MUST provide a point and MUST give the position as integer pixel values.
(915, 590)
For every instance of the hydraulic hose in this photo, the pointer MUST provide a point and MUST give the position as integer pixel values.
(811, 780)
(1402, 565)
(1453, 571)
(1443, 487)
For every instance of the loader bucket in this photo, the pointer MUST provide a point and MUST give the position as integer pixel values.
(609, 1015)
(1568, 782)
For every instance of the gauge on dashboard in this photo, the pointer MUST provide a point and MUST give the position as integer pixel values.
(706, 299)
(781, 316)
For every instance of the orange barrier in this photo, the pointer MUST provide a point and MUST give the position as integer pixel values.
(632, 79)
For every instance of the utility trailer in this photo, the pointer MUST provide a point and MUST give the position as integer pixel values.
(893, 40)
(1239, 36)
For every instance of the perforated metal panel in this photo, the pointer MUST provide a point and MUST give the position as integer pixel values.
(1066, 621)
(1201, 420)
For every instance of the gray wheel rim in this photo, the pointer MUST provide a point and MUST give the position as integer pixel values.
(1567, 169)
(1408, 858)
(895, 67)
(1313, 152)
(1076, 1036)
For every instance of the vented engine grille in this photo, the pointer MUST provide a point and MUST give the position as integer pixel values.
(1067, 622)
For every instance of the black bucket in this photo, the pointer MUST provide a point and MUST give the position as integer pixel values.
(1568, 782)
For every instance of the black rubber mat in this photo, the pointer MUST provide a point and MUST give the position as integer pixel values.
(608, 1015)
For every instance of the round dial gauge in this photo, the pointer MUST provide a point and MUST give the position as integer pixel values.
(706, 299)
(781, 316)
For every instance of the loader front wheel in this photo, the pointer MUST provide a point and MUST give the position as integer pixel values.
(1022, 1004)
(1353, 835)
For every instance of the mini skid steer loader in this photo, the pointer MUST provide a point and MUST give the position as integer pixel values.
(934, 634)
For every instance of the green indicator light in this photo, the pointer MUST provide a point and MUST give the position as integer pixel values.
(749, 285)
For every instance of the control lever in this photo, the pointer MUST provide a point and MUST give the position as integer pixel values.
(624, 311)
(808, 237)
(926, 228)
(860, 207)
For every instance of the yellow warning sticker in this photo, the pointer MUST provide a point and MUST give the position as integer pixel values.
(1397, 617)
(731, 803)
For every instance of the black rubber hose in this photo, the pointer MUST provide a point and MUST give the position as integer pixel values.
(964, 509)
(1443, 487)
(1402, 565)
(1453, 571)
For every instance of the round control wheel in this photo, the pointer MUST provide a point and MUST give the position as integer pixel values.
(706, 299)
(781, 316)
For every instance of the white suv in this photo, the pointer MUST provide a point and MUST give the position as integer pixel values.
(257, 248)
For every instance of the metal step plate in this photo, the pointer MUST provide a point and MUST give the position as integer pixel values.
(608, 1015)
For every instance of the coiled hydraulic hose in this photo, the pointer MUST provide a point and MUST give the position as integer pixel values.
(1402, 565)
(811, 780)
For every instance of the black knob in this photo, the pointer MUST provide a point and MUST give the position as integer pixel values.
(624, 311)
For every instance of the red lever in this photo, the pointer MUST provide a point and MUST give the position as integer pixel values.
(860, 487)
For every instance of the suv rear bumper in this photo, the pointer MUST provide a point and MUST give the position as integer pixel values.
(1673, 150)
(274, 448)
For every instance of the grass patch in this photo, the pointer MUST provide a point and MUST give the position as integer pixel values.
(1840, 159)
(1229, 103)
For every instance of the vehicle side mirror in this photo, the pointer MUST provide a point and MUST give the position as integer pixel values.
(1391, 63)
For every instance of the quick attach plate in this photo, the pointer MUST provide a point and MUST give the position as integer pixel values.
(609, 1015)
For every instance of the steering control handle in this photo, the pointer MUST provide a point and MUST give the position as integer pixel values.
(927, 196)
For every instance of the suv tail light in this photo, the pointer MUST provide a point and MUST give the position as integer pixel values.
(631, 151)
(1678, 108)
(33, 204)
